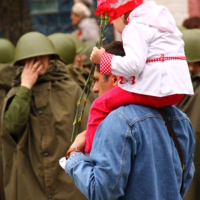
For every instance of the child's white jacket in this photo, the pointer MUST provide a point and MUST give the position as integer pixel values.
(151, 32)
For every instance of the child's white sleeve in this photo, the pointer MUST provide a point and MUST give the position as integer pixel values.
(136, 44)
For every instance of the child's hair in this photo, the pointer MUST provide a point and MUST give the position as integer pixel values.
(115, 48)
(126, 15)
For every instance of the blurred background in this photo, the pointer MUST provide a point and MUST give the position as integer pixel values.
(50, 16)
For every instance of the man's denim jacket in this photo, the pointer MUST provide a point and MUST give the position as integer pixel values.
(133, 157)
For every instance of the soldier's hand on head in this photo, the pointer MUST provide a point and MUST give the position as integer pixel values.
(96, 54)
(30, 73)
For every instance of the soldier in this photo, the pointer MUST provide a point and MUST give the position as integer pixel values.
(7, 72)
(64, 46)
(68, 47)
(87, 62)
(190, 104)
(81, 49)
(37, 123)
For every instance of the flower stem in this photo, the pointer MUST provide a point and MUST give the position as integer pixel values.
(86, 89)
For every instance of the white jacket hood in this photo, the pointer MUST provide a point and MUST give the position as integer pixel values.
(155, 16)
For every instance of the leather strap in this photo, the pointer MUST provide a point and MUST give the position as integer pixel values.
(176, 142)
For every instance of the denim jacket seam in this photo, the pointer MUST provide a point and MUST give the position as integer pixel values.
(122, 115)
(124, 152)
(177, 118)
(157, 115)
(135, 134)
(144, 118)
(72, 164)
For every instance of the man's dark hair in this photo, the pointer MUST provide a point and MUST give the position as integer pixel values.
(115, 48)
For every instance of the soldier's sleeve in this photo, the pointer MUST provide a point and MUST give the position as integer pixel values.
(16, 116)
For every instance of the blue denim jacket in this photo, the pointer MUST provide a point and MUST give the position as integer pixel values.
(133, 157)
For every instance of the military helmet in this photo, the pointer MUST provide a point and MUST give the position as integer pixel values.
(90, 44)
(7, 51)
(191, 38)
(33, 44)
(181, 28)
(65, 47)
(81, 47)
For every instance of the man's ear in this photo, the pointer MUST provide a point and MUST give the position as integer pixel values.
(115, 80)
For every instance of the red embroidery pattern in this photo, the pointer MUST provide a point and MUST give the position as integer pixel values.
(130, 80)
(121, 80)
(105, 63)
(128, 20)
(162, 58)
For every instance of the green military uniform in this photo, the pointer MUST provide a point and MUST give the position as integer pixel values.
(80, 76)
(7, 72)
(31, 156)
(190, 105)
(37, 128)
(67, 46)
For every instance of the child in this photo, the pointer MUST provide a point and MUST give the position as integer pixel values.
(154, 71)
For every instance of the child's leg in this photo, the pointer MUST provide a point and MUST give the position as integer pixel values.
(115, 98)
(159, 102)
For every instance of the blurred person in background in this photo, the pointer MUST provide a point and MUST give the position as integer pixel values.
(87, 26)
(88, 3)
(7, 72)
(190, 104)
(37, 122)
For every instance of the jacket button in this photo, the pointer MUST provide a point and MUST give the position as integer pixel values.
(46, 154)
(40, 112)
(49, 196)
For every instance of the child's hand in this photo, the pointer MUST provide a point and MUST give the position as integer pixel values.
(96, 54)
(79, 140)
(30, 73)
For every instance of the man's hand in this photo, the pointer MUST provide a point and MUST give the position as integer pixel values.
(79, 141)
(96, 54)
(30, 73)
